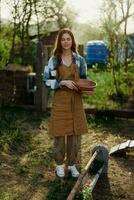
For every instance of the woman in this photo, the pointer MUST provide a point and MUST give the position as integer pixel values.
(68, 119)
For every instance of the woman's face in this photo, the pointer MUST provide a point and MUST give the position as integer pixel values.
(66, 41)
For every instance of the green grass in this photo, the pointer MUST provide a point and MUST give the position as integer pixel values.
(25, 151)
(11, 120)
(11, 133)
(105, 95)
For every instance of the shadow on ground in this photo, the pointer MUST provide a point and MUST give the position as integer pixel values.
(122, 127)
(102, 190)
(60, 188)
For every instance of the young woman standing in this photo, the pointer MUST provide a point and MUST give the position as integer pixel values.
(67, 117)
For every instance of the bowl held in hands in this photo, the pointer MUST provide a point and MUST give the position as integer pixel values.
(86, 85)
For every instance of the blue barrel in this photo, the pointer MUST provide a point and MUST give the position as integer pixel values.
(96, 52)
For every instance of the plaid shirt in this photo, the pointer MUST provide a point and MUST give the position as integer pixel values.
(49, 75)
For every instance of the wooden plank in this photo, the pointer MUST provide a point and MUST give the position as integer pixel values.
(122, 148)
(44, 98)
(124, 145)
(131, 143)
(95, 179)
(111, 113)
(38, 78)
(114, 149)
(80, 178)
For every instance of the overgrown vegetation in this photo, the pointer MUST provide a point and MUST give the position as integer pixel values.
(106, 95)
(29, 21)
(5, 44)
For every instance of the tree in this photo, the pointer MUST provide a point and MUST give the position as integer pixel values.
(115, 16)
(126, 7)
(0, 15)
(5, 44)
(23, 14)
(14, 16)
(88, 32)
(55, 10)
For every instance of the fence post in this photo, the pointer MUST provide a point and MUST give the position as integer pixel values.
(44, 88)
(41, 94)
(38, 80)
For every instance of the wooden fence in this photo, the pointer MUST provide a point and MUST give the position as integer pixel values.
(13, 88)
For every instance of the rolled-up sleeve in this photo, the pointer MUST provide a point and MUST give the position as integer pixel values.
(49, 75)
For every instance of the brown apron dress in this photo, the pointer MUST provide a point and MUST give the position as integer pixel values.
(67, 116)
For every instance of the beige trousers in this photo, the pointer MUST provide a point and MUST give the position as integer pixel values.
(66, 149)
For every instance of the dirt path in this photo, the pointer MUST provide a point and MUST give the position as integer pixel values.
(27, 173)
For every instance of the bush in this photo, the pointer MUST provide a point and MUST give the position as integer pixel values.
(5, 46)
(105, 95)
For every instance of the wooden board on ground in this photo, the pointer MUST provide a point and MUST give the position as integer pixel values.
(122, 148)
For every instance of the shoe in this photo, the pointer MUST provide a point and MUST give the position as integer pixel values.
(73, 171)
(60, 171)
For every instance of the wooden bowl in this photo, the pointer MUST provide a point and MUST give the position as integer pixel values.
(86, 85)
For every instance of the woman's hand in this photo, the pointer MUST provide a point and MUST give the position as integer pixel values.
(70, 84)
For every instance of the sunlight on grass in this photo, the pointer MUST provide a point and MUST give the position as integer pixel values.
(105, 89)
(27, 159)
